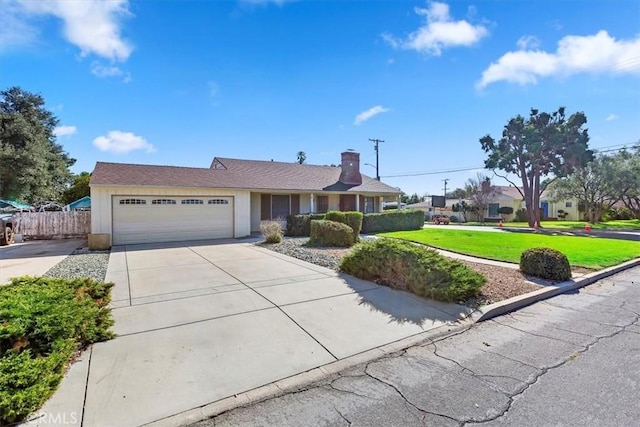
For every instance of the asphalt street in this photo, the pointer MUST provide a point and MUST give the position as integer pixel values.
(573, 360)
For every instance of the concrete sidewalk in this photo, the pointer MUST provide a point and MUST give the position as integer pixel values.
(34, 257)
(201, 322)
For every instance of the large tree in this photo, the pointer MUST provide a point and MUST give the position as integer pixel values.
(542, 145)
(301, 157)
(33, 166)
(78, 189)
(601, 183)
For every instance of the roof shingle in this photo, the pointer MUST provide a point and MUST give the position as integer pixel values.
(236, 174)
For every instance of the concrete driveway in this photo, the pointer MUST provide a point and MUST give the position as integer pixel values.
(199, 322)
(34, 257)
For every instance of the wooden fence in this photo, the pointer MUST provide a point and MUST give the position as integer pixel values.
(53, 225)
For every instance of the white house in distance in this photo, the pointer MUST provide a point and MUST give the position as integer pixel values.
(147, 203)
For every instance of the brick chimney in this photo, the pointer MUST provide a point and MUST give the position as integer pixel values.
(350, 173)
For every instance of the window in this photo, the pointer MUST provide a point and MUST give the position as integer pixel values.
(192, 202)
(323, 204)
(568, 204)
(218, 202)
(369, 204)
(133, 202)
(493, 209)
(279, 206)
(163, 202)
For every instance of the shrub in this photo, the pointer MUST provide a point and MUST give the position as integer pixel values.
(505, 210)
(403, 219)
(330, 233)
(337, 216)
(271, 231)
(43, 321)
(545, 263)
(354, 220)
(418, 269)
(521, 215)
(300, 224)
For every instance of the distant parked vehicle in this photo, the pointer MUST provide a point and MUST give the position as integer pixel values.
(441, 219)
(7, 229)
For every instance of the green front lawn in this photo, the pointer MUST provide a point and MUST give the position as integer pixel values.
(590, 252)
(630, 224)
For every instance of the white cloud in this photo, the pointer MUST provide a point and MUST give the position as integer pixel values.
(104, 71)
(612, 117)
(122, 142)
(528, 42)
(439, 31)
(93, 26)
(366, 115)
(60, 131)
(599, 53)
(16, 32)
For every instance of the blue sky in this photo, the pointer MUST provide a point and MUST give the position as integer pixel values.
(179, 82)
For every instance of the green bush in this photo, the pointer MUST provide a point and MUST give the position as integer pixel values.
(418, 269)
(521, 215)
(271, 231)
(330, 233)
(300, 224)
(43, 321)
(354, 220)
(505, 210)
(337, 216)
(545, 263)
(397, 220)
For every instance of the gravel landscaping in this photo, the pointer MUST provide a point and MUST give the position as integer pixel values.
(82, 263)
(502, 282)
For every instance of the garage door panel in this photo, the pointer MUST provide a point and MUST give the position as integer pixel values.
(145, 222)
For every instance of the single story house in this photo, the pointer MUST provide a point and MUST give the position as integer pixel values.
(146, 203)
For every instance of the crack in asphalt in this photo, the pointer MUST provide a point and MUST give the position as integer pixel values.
(405, 399)
(342, 416)
(557, 365)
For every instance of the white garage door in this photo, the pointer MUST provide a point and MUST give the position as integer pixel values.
(147, 219)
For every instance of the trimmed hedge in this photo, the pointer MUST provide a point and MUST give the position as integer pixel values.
(545, 263)
(418, 269)
(330, 233)
(299, 225)
(354, 220)
(337, 216)
(397, 220)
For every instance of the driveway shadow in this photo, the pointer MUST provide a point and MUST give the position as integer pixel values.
(404, 307)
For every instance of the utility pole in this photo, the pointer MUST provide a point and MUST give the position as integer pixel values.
(376, 142)
(446, 180)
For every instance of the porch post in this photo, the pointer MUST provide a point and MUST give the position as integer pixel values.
(357, 203)
(311, 200)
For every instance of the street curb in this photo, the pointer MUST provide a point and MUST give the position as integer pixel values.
(299, 381)
(499, 308)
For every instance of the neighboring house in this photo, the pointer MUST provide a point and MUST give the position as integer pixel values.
(145, 203)
(510, 196)
(82, 204)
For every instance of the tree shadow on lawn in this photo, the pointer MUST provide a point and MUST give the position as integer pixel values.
(404, 307)
(620, 235)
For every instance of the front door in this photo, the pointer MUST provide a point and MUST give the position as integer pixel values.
(347, 202)
(545, 209)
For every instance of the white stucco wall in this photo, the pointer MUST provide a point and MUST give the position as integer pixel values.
(101, 209)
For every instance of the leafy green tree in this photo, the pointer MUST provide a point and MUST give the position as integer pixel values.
(458, 193)
(301, 157)
(410, 200)
(542, 145)
(78, 189)
(601, 184)
(33, 166)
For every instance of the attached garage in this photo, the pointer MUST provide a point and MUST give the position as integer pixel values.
(161, 218)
